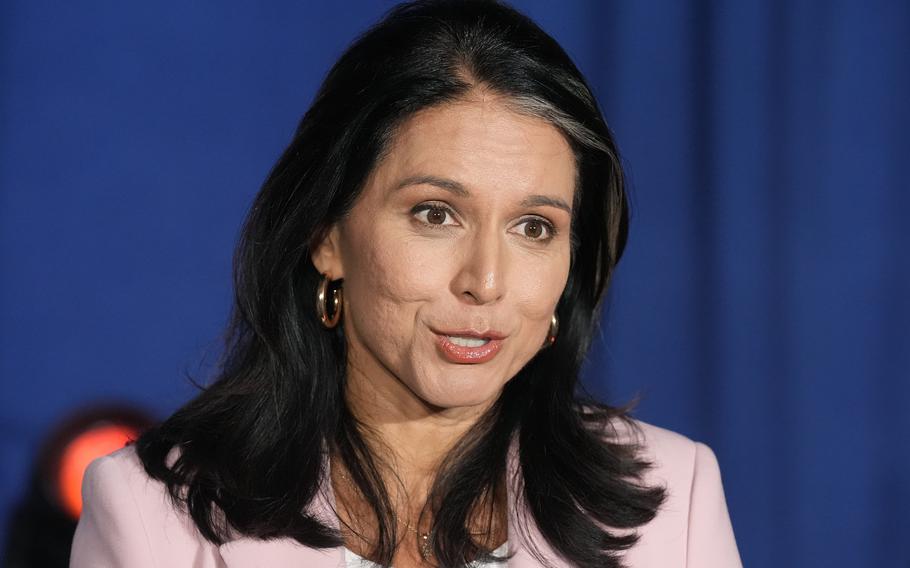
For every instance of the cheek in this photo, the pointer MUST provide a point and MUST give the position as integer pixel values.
(539, 286)
(387, 279)
(393, 269)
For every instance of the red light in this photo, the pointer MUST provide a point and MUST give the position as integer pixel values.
(78, 453)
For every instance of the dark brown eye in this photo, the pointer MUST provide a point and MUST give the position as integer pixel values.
(533, 229)
(537, 230)
(436, 216)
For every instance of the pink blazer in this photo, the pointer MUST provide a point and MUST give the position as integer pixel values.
(127, 520)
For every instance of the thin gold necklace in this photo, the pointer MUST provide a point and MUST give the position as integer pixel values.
(426, 545)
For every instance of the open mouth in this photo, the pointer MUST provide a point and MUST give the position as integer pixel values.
(467, 341)
(467, 350)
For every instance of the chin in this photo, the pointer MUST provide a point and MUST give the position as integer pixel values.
(447, 395)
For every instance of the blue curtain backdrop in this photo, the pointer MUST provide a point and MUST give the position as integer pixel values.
(762, 305)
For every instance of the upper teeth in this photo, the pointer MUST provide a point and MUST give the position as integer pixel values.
(467, 341)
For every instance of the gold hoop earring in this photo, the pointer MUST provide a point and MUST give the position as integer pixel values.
(337, 302)
(554, 329)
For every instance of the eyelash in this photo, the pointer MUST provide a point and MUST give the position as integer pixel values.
(551, 229)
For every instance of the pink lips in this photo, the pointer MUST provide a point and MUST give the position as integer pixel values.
(469, 355)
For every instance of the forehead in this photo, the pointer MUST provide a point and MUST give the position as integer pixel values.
(484, 144)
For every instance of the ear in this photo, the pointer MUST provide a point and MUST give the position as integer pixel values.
(326, 254)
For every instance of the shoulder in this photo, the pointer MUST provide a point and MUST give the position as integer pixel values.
(121, 474)
(673, 456)
(693, 525)
(128, 515)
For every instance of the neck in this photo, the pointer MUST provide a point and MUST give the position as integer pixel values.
(411, 434)
(412, 438)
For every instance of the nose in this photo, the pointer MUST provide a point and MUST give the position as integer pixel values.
(481, 271)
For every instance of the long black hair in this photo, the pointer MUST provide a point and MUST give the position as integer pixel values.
(252, 443)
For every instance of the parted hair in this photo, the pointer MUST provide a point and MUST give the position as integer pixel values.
(253, 441)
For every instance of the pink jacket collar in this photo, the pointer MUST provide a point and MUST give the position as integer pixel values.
(286, 552)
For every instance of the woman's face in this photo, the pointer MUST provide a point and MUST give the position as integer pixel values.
(456, 253)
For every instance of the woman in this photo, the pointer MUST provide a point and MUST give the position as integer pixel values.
(417, 285)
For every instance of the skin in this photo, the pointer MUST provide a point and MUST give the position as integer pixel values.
(487, 262)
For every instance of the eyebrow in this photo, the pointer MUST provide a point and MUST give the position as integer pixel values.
(458, 189)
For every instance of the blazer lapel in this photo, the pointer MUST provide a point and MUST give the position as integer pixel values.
(286, 552)
(524, 542)
(278, 553)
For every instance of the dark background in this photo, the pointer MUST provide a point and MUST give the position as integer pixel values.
(761, 307)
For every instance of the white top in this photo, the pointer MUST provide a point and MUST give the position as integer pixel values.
(353, 560)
